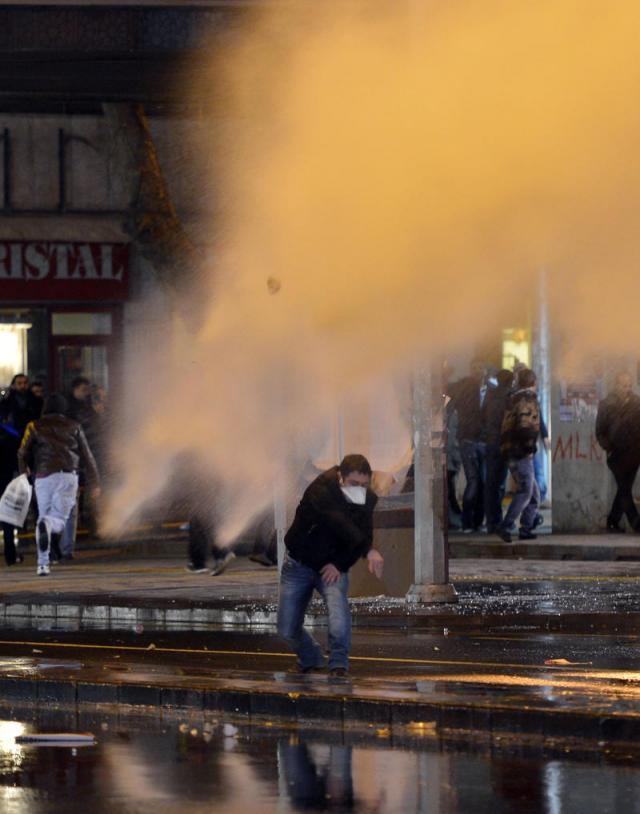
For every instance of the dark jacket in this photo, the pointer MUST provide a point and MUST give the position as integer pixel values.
(56, 443)
(495, 404)
(81, 410)
(9, 443)
(18, 409)
(618, 424)
(328, 528)
(465, 396)
(518, 443)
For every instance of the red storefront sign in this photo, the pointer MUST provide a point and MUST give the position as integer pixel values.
(46, 270)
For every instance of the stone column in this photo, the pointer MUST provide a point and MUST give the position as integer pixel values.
(431, 579)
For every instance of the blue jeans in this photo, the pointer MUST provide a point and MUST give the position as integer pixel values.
(540, 467)
(474, 455)
(494, 491)
(525, 501)
(297, 583)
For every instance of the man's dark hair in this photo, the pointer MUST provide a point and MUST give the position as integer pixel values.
(355, 463)
(505, 377)
(18, 376)
(78, 381)
(526, 378)
(55, 403)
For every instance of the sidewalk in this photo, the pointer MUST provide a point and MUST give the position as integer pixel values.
(103, 586)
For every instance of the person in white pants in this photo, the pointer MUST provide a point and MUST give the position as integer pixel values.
(52, 449)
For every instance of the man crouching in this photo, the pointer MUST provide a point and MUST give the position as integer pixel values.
(332, 529)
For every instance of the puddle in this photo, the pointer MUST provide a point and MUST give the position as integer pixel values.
(145, 764)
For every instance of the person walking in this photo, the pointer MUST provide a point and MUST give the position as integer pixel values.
(454, 463)
(467, 398)
(493, 411)
(202, 541)
(618, 433)
(520, 431)
(80, 408)
(331, 530)
(53, 448)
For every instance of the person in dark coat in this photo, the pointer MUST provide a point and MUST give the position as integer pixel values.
(332, 529)
(493, 412)
(9, 443)
(19, 406)
(80, 408)
(37, 392)
(467, 398)
(618, 433)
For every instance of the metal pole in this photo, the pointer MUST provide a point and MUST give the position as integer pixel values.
(431, 576)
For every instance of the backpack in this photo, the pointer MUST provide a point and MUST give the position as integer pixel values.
(522, 417)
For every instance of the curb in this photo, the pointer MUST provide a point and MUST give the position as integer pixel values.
(434, 619)
(426, 717)
(559, 552)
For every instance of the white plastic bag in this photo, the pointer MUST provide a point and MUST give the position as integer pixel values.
(14, 503)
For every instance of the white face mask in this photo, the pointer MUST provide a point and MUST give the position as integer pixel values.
(355, 494)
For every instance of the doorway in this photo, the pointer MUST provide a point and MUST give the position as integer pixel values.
(84, 343)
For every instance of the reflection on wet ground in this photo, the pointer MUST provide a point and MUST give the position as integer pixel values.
(191, 764)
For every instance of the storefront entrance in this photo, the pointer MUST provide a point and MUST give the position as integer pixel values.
(61, 315)
(84, 343)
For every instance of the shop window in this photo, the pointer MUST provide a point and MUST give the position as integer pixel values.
(81, 324)
(516, 347)
(82, 360)
(13, 350)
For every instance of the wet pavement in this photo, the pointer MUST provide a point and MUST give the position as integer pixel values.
(532, 685)
(494, 594)
(196, 763)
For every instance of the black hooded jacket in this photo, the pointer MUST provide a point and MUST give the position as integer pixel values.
(18, 409)
(328, 528)
(493, 411)
(618, 425)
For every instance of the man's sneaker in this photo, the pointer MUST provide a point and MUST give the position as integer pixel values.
(504, 535)
(221, 564)
(525, 534)
(42, 534)
(538, 521)
(193, 569)
(338, 672)
(467, 530)
(42, 571)
(614, 528)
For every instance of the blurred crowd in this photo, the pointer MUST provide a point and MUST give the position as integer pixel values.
(495, 426)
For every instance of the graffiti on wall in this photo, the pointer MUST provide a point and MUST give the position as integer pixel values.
(577, 446)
